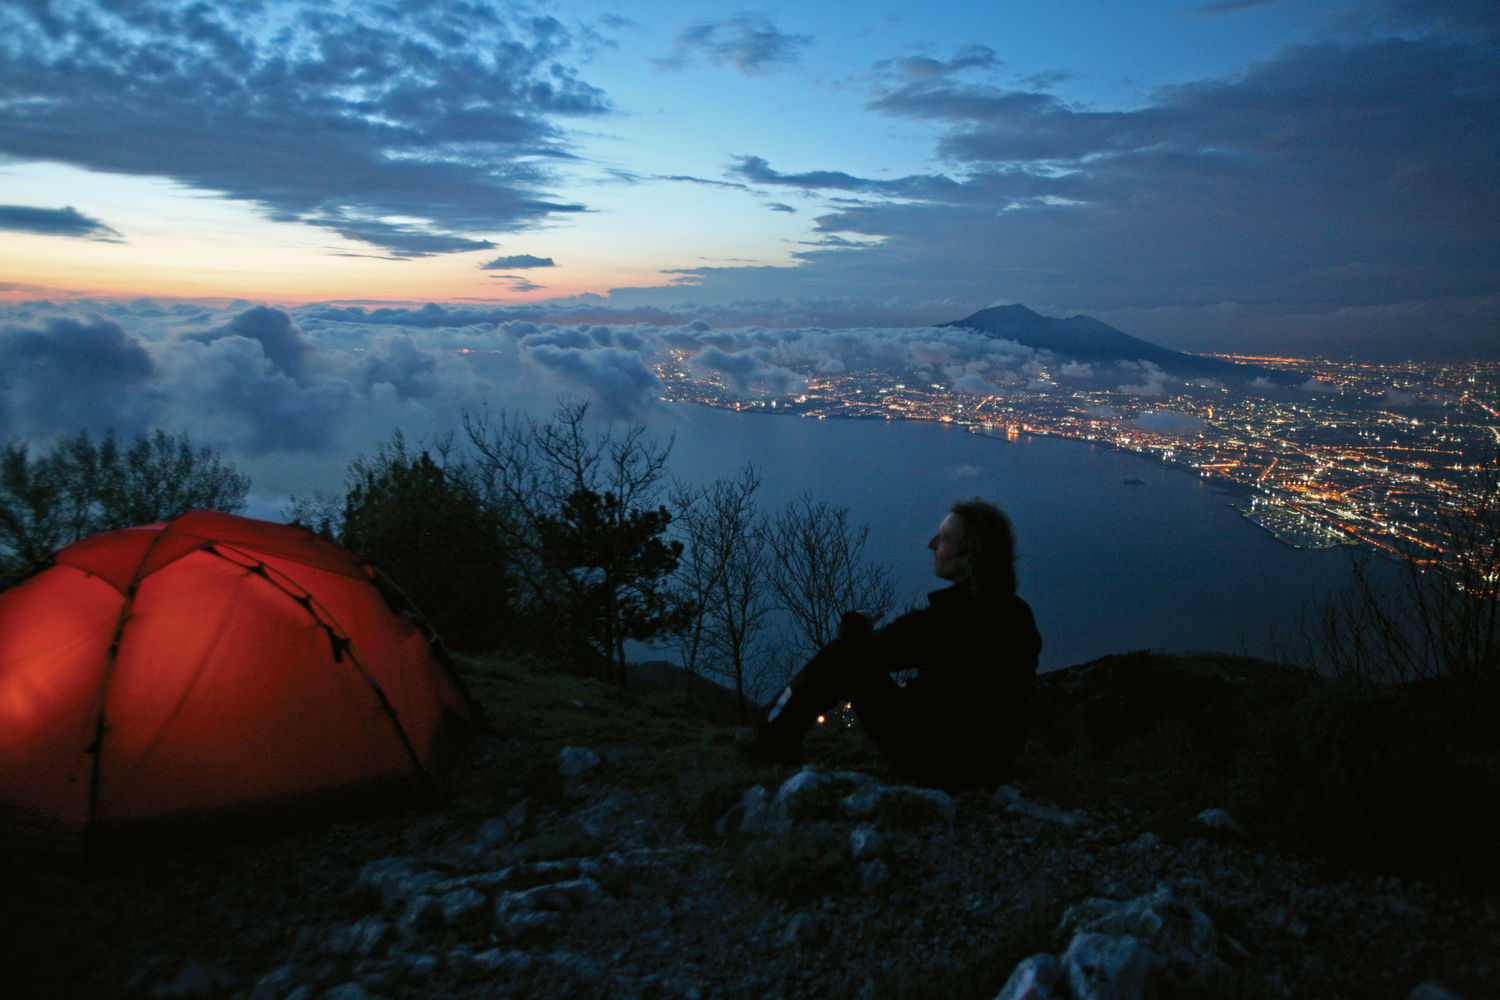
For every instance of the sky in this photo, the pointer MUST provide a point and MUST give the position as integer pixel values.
(1240, 176)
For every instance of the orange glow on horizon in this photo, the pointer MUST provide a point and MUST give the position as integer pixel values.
(40, 267)
(290, 289)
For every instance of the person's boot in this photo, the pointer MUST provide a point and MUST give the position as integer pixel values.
(817, 687)
(778, 739)
(763, 748)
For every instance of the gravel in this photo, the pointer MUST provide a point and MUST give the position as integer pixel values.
(608, 884)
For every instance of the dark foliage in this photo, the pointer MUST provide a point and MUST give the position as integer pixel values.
(416, 521)
(616, 565)
(579, 513)
(80, 487)
(1388, 779)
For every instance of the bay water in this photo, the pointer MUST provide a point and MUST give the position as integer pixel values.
(1116, 551)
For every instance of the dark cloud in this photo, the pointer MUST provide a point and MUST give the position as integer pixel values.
(1231, 6)
(571, 338)
(65, 374)
(619, 380)
(738, 369)
(685, 179)
(518, 262)
(928, 69)
(403, 241)
(338, 116)
(518, 283)
(1342, 195)
(749, 369)
(55, 222)
(758, 171)
(281, 341)
(750, 43)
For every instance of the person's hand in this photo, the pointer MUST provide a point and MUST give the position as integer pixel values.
(855, 625)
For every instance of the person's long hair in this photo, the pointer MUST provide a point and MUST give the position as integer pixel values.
(988, 549)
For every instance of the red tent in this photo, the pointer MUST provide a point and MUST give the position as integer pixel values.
(211, 673)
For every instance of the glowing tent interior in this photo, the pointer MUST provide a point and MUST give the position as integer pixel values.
(175, 680)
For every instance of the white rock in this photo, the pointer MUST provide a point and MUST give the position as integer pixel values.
(494, 831)
(530, 921)
(865, 842)
(494, 960)
(1109, 967)
(1036, 978)
(461, 905)
(273, 984)
(754, 816)
(1430, 991)
(574, 761)
(1175, 930)
(556, 897)
(397, 880)
(805, 782)
(1217, 819)
(1015, 803)
(361, 938)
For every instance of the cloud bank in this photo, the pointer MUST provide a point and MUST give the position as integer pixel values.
(260, 381)
(414, 128)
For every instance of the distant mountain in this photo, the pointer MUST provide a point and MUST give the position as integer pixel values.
(1081, 338)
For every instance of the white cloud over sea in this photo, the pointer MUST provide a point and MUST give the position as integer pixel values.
(322, 383)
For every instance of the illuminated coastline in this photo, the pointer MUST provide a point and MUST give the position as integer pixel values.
(1363, 453)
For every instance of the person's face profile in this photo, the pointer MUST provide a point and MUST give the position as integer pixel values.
(947, 562)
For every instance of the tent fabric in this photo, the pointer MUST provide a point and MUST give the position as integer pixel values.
(211, 672)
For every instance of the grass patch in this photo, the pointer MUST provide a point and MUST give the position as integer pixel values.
(811, 861)
(841, 743)
(545, 709)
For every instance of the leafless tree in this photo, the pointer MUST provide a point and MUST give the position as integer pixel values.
(579, 511)
(818, 570)
(724, 569)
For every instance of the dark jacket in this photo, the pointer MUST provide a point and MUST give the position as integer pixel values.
(961, 720)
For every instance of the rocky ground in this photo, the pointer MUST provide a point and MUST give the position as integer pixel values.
(609, 879)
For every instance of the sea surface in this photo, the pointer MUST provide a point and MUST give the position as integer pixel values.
(1116, 552)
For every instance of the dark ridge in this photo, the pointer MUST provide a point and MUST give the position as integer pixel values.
(1082, 338)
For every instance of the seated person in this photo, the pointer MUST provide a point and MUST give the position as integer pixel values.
(961, 720)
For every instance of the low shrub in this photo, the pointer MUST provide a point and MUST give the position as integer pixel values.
(1398, 778)
(811, 861)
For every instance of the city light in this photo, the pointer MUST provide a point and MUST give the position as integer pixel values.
(1316, 469)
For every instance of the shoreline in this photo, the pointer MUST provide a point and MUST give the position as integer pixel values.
(1239, 493)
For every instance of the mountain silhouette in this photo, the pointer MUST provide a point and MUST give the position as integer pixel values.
(1082, 338)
